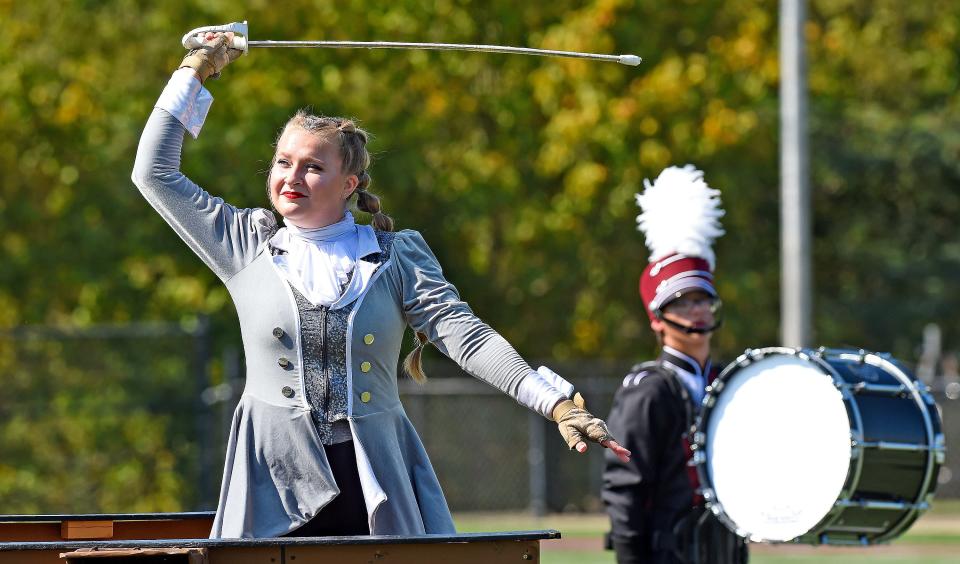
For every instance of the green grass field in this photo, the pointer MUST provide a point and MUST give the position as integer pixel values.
(933, 539)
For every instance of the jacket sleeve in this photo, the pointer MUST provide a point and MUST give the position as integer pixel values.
(432, 306)
(224, 237)
(643, 420)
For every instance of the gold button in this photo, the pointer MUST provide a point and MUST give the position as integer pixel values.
(364, 366)
(368, 338)
(365, 397)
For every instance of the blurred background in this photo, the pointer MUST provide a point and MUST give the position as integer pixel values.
(120, 357)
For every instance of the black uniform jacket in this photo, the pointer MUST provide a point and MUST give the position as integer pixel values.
(650, 416)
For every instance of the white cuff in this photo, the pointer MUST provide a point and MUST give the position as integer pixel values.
(538, 394)
(187, 100)
(557, 381)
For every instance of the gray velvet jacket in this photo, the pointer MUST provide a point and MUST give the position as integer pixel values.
(276, 475)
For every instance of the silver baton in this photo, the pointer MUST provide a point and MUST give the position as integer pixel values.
(194, 39)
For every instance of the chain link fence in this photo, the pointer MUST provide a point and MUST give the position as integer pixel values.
(491, 454)
(134, 418)
(105, 418)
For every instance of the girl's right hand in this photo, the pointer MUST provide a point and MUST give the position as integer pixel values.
(210, 58)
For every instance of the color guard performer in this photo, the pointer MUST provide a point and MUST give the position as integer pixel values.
(320, 443)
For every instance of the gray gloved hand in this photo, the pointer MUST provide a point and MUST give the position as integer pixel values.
(578, 425)
(208, 60)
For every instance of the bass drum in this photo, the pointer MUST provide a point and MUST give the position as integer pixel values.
(817, 446)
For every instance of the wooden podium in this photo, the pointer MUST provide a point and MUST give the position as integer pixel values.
(180, 538)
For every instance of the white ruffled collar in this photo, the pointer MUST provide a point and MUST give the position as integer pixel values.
(295, 242)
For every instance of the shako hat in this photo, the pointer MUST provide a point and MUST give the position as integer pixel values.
(680, 219)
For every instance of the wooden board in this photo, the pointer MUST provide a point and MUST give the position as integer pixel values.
(44, 539)
(86, 530)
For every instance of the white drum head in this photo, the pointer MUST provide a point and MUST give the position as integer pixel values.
(778, 447)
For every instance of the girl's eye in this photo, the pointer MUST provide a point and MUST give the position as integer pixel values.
(314, 167)
(283, 162)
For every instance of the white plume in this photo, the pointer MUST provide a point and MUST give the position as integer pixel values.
(681, 214)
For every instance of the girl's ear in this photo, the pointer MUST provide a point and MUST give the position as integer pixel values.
(350, 186)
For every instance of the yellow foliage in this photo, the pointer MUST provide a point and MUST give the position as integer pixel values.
(74, 102)
(583, 180)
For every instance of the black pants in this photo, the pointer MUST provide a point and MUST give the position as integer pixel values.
(636, 553)
(346, 515)
(697, 538)
(702, 539)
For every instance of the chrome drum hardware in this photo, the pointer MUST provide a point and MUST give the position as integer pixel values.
(818, 446)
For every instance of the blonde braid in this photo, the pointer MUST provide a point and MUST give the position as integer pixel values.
(413, 364)
(370, 203)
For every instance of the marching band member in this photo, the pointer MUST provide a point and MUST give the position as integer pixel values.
(655, 513)
(320, 443)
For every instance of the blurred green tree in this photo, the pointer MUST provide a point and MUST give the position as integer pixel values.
(519, 171)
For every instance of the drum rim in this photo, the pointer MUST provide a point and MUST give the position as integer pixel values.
(918, 391)
(698, 445)
(920, 394)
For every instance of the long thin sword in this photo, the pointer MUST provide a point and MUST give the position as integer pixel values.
(194, 39)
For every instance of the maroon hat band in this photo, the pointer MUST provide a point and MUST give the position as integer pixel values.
(665, 280)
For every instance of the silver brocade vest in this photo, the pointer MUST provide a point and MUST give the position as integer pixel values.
(323, 334)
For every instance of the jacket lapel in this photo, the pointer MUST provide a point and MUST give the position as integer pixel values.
(370, 258)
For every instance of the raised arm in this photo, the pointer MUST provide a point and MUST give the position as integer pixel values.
(224, 237)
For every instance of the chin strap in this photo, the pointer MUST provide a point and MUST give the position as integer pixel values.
(690, 330)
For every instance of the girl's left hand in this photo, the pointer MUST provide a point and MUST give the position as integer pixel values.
(578, 426)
